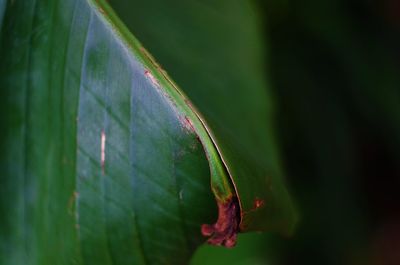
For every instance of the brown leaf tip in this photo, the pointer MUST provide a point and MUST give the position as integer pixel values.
(224, 231)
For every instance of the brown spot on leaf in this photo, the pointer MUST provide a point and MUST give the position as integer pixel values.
(258, 203)
(187, 124)
(150, 76)
(224, 231)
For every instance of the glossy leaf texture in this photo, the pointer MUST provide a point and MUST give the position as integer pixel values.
(215, 51)
(104, 160)
(97, 167)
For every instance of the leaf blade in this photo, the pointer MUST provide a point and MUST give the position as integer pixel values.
(83, 204)
(215, 53)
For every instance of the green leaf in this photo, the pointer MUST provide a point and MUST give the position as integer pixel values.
(104, 159)
(97, 165)
(215, 51)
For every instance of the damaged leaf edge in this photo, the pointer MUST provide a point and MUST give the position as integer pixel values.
(224, 231)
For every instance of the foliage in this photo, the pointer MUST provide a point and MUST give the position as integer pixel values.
(106, 161)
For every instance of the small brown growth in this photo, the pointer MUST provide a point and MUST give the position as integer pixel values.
(224, 231)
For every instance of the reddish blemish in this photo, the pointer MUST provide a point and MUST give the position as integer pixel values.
(258, 203)
(224, 231)
(187, 124)
(188, 102)
(151, 77)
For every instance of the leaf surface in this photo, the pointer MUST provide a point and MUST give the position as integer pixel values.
(99, 165)
(215, 51)
(104, 159)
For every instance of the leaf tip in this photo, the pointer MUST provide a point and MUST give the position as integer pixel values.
(224, 231)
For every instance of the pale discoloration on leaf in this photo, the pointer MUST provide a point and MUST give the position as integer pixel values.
(150, 76)
(103, 151)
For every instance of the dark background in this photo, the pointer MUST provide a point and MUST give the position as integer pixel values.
(334, 69)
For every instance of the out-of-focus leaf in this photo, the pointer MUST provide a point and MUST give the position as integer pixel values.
(252, 248)
(335, 70)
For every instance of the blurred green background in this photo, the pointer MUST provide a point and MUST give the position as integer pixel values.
(334, 69)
